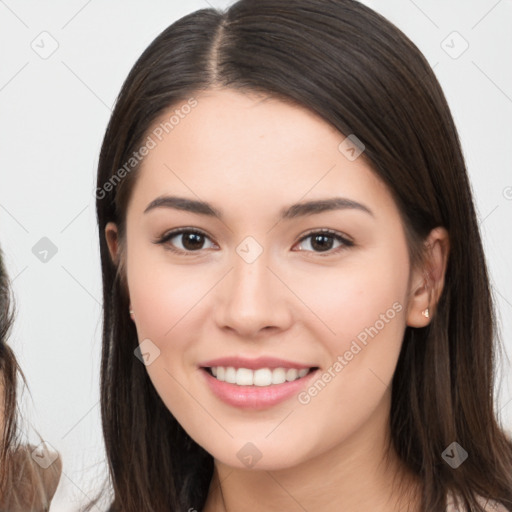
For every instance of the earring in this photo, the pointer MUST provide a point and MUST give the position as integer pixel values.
(131, 313)
(425, 313)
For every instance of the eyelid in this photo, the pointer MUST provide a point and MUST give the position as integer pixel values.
(345, 241)
(179, 231)
(345, 238)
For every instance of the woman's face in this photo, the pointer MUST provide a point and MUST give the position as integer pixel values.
(260, 288)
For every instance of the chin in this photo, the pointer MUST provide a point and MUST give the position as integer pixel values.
(254, 456)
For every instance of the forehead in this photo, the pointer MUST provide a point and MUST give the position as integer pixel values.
(245, 145)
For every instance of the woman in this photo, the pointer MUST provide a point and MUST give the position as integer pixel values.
(25, 484)
(297, 307)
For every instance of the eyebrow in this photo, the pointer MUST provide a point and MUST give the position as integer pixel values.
(301, 209)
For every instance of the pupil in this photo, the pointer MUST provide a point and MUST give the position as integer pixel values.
(320, 242)
(193, 241)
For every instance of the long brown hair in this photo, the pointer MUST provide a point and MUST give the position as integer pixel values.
(360, 73)
(9, 371)
(24, 485)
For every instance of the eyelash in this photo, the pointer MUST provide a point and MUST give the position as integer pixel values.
(344, 241)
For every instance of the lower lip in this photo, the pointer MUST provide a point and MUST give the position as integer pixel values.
(255, 397)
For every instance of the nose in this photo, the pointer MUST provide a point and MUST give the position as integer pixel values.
(252, 300)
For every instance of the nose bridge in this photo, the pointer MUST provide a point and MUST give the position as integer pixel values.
(252, 298)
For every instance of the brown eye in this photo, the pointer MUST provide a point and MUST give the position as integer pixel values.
(184, 241)
(323, 241)
(192, 241)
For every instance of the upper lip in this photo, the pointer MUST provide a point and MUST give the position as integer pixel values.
(254, 364)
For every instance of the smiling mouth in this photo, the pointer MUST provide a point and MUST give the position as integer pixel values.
(261, 377)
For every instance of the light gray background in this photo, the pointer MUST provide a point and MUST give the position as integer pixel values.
(54, 112)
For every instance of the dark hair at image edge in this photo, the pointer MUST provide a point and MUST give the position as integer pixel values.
(24, 485)
(8, 380)
(361, 74)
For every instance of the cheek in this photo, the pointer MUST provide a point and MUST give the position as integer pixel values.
(365, 291)
(163, 299)
(363, 306)
(161, 293)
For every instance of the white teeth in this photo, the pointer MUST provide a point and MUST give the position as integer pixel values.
(230, 375)
(261, 377)
(244, 377)
(291, 374)
(279, 375)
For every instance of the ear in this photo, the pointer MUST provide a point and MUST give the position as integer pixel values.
(111, 236)
(427, 283)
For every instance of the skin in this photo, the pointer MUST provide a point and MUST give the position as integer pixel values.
(250, 156)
